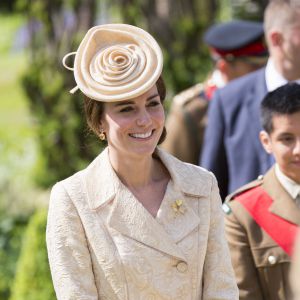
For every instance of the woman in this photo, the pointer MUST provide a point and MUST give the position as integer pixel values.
(136, 223)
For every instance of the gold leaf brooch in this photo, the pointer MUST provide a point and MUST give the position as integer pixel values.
(178, 206)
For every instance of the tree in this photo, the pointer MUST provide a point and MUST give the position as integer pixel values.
(249, 9)
(56, 28)
(178, 25)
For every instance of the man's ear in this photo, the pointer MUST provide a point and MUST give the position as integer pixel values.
(276, 38)
(266, 141)
(223, 66)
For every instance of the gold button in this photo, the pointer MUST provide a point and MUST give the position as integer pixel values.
(182, 267)
(272, 260)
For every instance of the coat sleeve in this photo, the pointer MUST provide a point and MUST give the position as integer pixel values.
(242, 259)
(214, 156)
(68, 252)
(219, 281)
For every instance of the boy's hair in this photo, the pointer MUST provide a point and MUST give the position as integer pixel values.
(283, 101)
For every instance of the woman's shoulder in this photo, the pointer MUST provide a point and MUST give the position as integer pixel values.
(77, 176)
(75, 180)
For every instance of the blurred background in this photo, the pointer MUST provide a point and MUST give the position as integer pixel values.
(43, 136)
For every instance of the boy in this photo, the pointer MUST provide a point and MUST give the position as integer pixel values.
(262, 218)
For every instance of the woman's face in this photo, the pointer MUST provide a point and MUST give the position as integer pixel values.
(134, 127)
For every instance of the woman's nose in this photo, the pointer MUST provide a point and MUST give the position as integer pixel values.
(144, 118)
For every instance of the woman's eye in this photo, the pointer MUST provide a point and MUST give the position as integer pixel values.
(154, 103)
(126, 109)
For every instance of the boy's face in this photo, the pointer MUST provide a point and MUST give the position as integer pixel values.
(284, 143)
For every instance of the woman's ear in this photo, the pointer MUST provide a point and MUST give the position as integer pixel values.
(102, 124)
(266, 141)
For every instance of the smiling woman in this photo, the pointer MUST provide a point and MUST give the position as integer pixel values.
(136, 223)
(94, 111)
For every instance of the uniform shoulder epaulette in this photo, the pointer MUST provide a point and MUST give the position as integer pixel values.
(189, 94)
(245, 188)
(226, 206)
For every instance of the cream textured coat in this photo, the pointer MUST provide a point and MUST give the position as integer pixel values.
(103, 244)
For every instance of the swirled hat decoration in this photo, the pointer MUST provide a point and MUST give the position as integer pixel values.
(116, 62)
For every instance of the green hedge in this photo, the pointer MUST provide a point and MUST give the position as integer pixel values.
(11, 231)
(33, 279)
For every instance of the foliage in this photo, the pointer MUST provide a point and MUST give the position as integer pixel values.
(17, 152)
(178, 25)
(56, 27)
(7, 5)
(11, 231)
(249, 9)
(33, 280)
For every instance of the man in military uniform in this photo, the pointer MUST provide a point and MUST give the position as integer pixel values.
(231, 148)
(263, 217)
(237, 47)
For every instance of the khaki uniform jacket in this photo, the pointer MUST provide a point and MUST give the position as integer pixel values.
(261, 266)
(186, 123)
(103, 244)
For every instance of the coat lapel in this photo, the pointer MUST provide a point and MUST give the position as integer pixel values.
(283, 206)
(129, 217)
(177, 224)
(253, 101)
(100, 186)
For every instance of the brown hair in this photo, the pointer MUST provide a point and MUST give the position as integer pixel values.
(94, 109)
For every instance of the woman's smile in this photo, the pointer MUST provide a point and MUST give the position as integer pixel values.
(142, 136)
(134, 127)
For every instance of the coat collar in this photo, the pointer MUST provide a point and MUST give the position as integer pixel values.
(102, 182)
(128, 216)
(283, 205)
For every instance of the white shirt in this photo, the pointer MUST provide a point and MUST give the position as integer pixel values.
(273, 78)
(292, 187)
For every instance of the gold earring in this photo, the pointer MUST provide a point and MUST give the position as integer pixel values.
(102, 135)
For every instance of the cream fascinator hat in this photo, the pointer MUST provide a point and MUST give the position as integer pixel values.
(116, 62)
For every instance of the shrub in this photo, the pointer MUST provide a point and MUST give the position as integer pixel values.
(11, 232)
(33, 280)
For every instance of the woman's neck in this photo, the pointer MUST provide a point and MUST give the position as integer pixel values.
(135, 172)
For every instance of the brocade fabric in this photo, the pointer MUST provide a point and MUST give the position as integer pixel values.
(103, 244)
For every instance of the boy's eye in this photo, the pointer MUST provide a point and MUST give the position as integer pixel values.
(287, 139)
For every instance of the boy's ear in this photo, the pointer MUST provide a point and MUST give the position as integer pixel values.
(266, 141)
